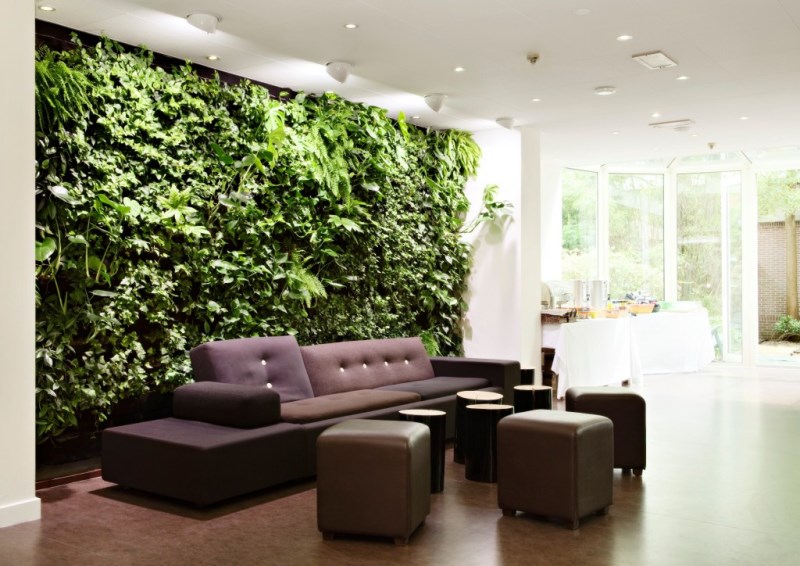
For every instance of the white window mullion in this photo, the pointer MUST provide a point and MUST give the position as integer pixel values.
(670, 234)
(602, 224)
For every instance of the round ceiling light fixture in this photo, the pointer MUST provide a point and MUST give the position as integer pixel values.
(605, 90)
(350, 26)
(204, 21)
(47, 8)
(624, 37)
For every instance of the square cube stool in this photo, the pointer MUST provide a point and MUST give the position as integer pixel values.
(373, 478)
(627, 411)
(555, 464)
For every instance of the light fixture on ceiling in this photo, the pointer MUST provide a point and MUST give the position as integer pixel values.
(435, 101)
(624, 37)
(676, 125)
(682, 78)
(536, 99)
(744, 118)
(605, 90)
(507, 123)
(350, 26)
(204, 21)
(655, 60)
(213, 57)
(47, 8)
(338, 70)
(655, 115)
(459, 69)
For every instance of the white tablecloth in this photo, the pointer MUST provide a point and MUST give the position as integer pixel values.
(612, 350)
(673, 342)
(595, 352)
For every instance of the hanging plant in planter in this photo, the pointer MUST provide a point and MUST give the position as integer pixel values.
(173, 210)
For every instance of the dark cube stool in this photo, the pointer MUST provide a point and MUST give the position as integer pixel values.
(555, 464)
(627, 411)
(373, 478)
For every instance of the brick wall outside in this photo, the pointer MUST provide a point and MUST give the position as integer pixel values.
(772, 275)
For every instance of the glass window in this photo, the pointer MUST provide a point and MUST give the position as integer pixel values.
(579, 224)
(636, 235)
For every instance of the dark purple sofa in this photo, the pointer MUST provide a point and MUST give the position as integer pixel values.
(252, 417)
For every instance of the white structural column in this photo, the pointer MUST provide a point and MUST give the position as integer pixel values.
(749, 267)
(505, 284)
(18, 501)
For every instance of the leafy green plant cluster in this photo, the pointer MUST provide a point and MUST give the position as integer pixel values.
(173, 210)
(787, 328)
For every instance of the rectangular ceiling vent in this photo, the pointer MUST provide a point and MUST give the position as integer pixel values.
(677, 125)
(655, 60)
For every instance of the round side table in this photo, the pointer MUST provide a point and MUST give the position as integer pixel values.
(530, 397)
(481, 448)
(464, 399)
(435, 420)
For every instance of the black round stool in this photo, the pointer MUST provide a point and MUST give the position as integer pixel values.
(481, 450)
(435, 420)
(464, 399)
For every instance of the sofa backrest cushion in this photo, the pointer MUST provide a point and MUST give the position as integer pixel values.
(274, 360)
(227, 404)
(365, 364)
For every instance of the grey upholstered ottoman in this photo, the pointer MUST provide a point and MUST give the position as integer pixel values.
(373, 478)
(627, 411)
(555, 464)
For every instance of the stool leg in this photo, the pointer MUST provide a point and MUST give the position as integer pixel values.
(575, 524)
(637, 472)
(401, 541)
(626, 471)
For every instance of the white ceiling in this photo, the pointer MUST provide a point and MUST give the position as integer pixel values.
(742, 57)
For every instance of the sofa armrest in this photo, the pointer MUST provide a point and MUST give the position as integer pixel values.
(227, 404)
(504, 374)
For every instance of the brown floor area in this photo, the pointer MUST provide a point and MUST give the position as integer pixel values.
(722, 486)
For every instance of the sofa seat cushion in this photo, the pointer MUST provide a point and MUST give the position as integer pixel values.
(274, 360)
(342, 404)
(365, 364)
(440, 386)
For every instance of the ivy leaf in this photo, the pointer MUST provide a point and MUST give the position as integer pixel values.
(62, 193)
(224, 157)
(45, 249)
(103, 293)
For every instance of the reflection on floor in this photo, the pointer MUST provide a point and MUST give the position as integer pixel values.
(722, 486)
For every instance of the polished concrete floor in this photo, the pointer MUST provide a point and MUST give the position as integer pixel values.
(722, 486)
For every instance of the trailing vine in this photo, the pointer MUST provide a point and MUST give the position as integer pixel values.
(173, 210)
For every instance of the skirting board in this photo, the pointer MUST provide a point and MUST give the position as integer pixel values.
(20, 512)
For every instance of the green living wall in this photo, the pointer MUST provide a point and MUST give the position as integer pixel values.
(173, 210)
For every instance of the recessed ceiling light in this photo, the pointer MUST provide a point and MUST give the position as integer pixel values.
(47, 9)
(582, 12)
(655, 115)
(682, 78)
(459, 69)
(212, 57)
(744, 118)
(351, 26)
(615, 133)
(536, 99)
(605, 90)
(694, 135)
(415, 117)
(624, 37)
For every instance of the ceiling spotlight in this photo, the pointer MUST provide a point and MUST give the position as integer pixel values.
(212, 57)
(339, 70)
(624, 37)
(204, 21)
(655, 115)
(615, 133)
(435, 101)
(744, 118)
(605, 90)
(655, 60)
(536, 99)
(682, 78)
(415, 117)
(351, 26)
(459, 69)
(507, 123)
(47, 9)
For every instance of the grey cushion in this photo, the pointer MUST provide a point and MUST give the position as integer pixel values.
(341, 404)
(365, 364)
(440, 386)
(227, 404)
(254, 361)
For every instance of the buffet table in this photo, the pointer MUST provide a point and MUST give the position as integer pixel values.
(609, 351)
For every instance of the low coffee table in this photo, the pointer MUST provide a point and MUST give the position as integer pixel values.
(481, 449)
(435, 420)
(530, 397)
(464, 399)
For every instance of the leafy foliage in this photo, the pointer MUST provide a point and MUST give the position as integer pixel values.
(787, 328)
(173, 210)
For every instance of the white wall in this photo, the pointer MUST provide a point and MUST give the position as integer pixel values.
(18, 502)
(502, 318)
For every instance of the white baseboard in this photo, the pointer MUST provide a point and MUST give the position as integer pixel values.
(20, 512)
